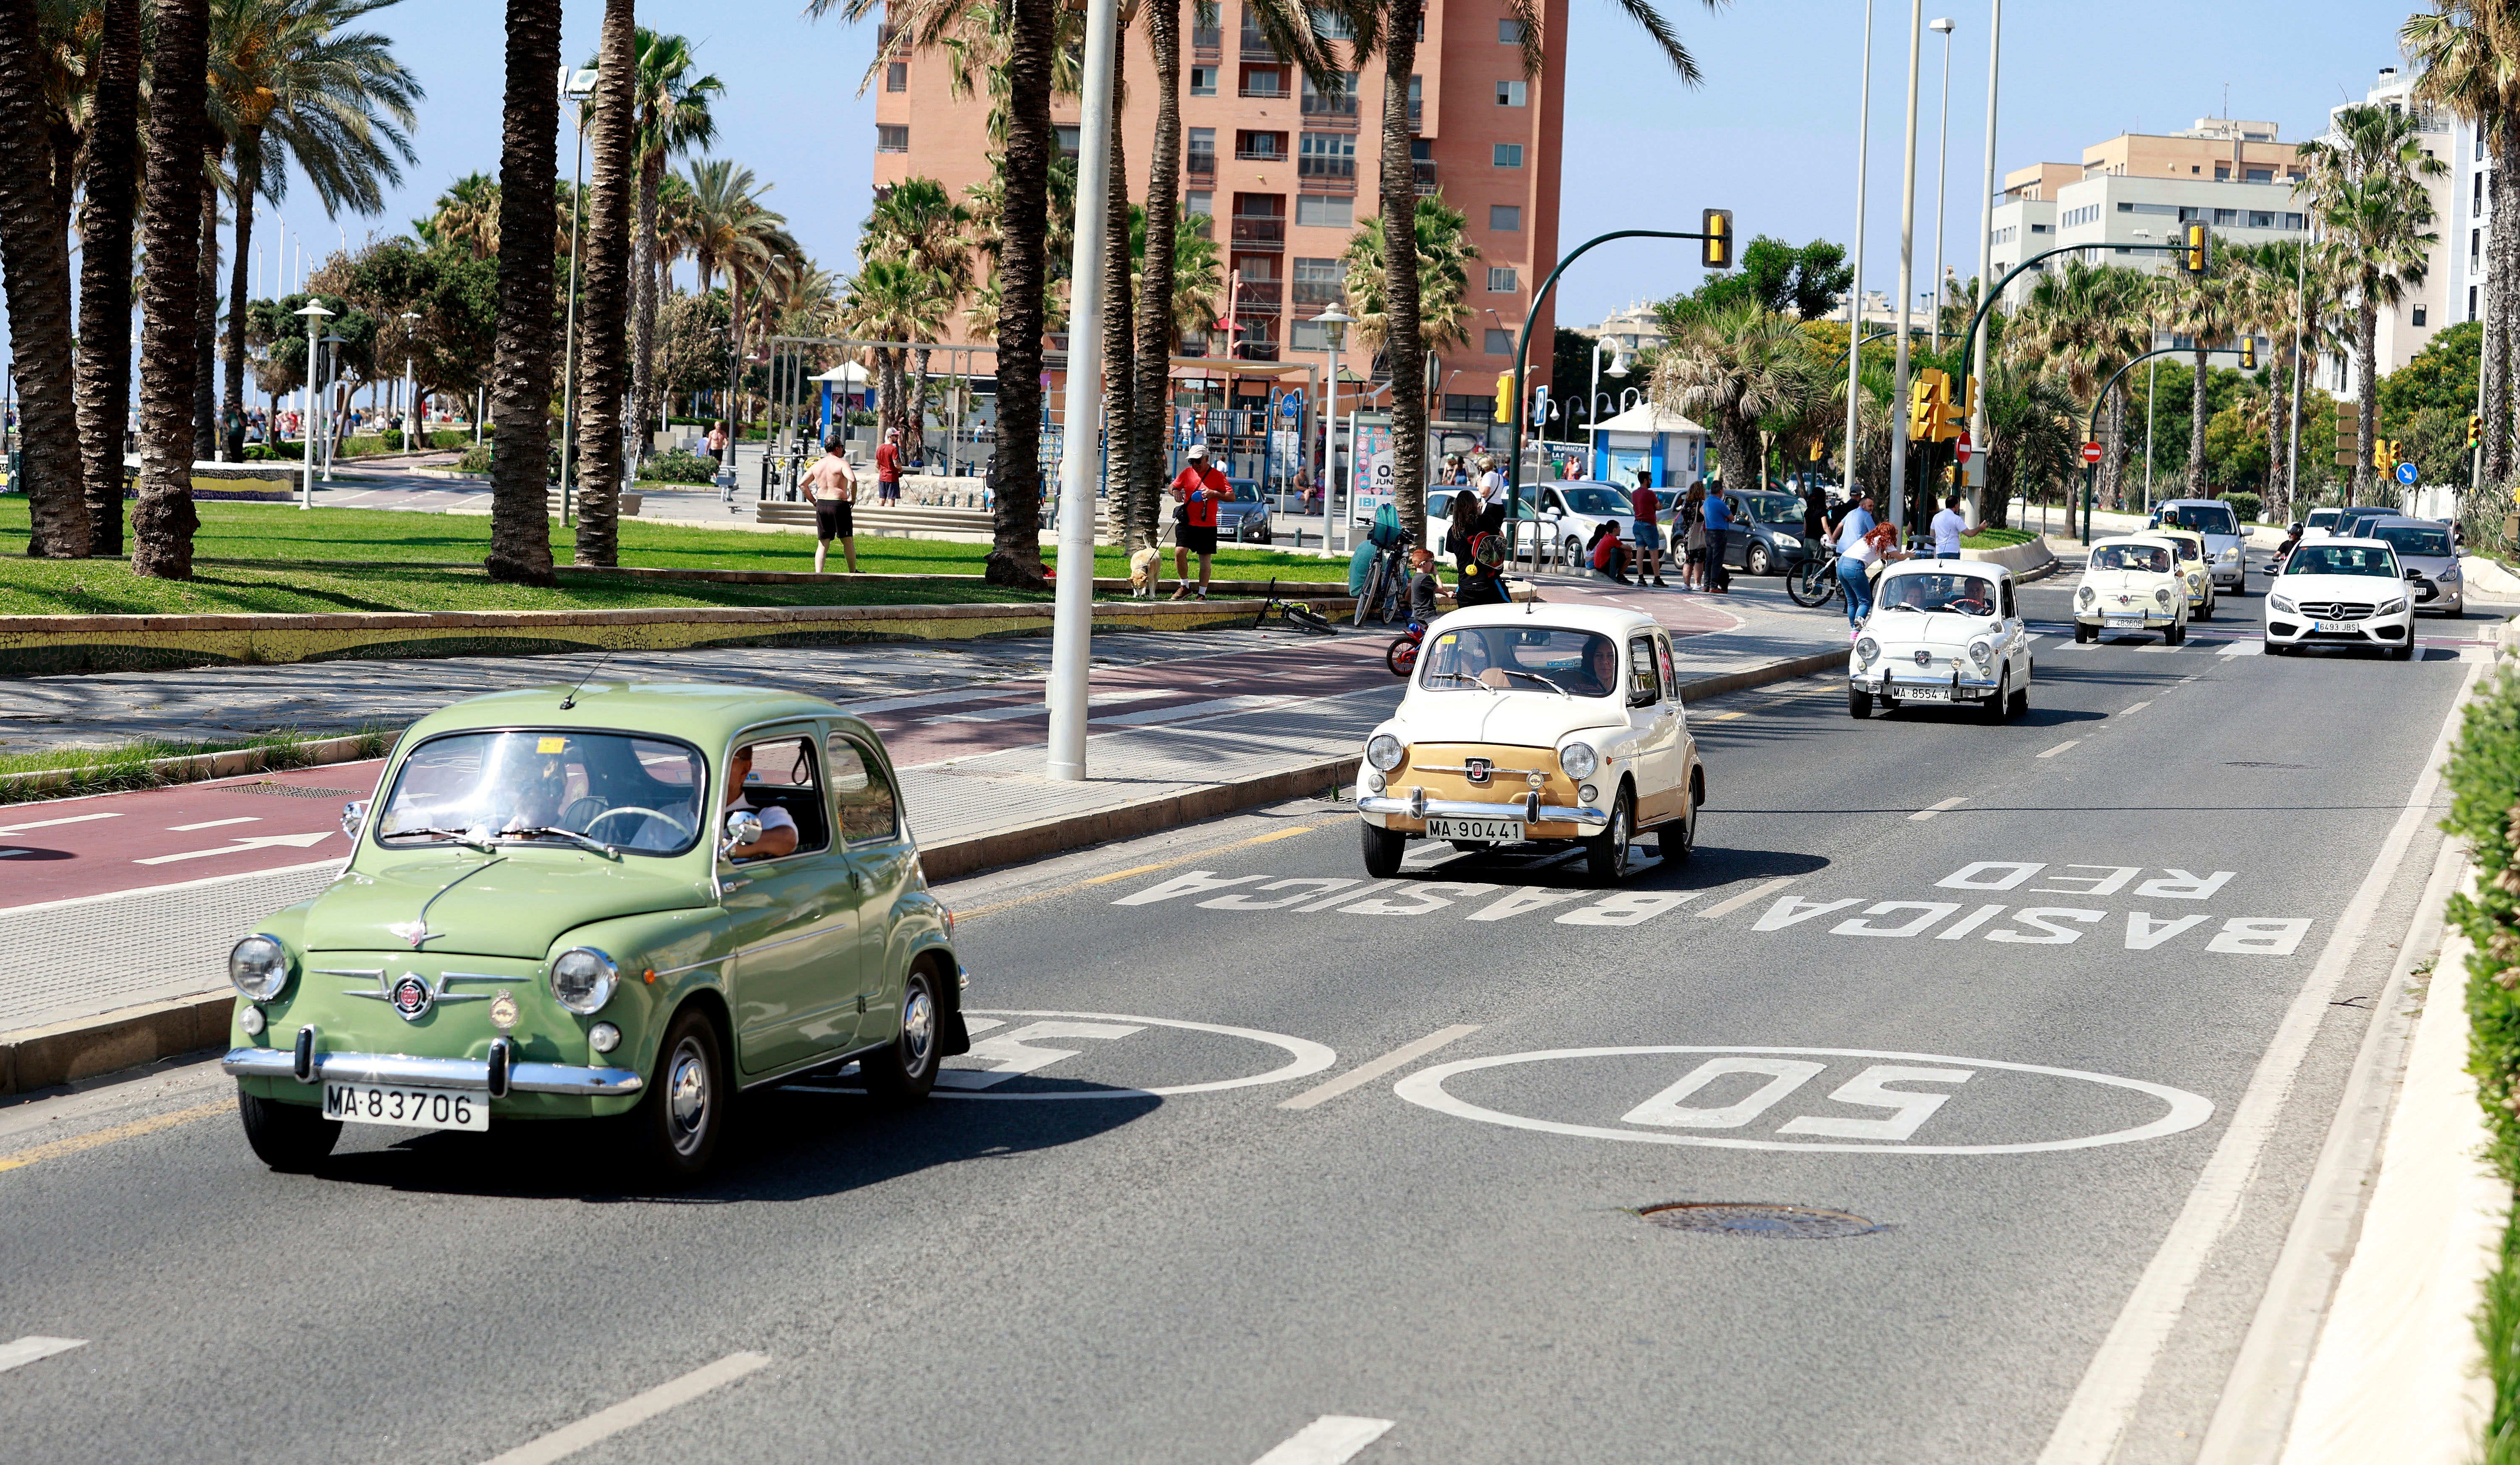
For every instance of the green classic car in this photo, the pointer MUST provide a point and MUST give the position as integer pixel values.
(623, 902)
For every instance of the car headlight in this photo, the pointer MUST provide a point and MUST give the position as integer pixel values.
(260, 967)
(2087, 594)
(1866, 649)
(2195, 579)
(1579, 760)
(584, 979)
(2162, 594)
(2233, 553)
(2450, 571)
(1983, 653)
(1384, 751)
(2394, 606)
(1788, 542)
(2284, 605)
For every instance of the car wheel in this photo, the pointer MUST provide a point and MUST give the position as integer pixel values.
(1756, 561)
(2405, 653)
(2176, 635)
(2207, 613)
(675, 1131)
(2082, 634)
(1858, 703)
(1999, 706)
(1676, 840)
(1606, 853)
(906, 1070)
(2021, 699)
(1574, 548)
(1383, 850)
(291, 1138)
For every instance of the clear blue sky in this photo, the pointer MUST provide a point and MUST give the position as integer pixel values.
(1771, 135)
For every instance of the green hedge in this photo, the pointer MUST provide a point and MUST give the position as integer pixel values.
(476, 460)
(678, 466)
(2246, 507)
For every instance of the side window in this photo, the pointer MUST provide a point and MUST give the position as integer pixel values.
(1662, 657)
(1644, 686)
(783, 778)
(2008, 611)
(861, 793)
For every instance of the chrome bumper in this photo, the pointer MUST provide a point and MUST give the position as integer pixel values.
(430, 1073)
(1891, 686)
(1528, 810)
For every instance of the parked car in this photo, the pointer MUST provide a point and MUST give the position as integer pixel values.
(1543, 722)
(2226, 545)
(1768, 533)
(624, 902)
(1941, 631)
(2429, 554)
(2342, 592)
(1526, 524)
(1244, 515)
(2132, 583)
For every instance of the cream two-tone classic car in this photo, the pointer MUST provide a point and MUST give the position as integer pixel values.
(1540, 723)
(1942, 632)
(2132, 583)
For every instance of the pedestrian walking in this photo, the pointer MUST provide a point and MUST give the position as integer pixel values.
(1949, 525)
(1491, 487)
(1719, 542)
(716, 443)
(1200, 488)
(1645, 509)
(1815, 512)
(887, 469)
(835, 493)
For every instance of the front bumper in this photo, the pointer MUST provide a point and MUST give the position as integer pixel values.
(2374, 630)
(2149, 618)
(1528, 809)
(473, 1074)
(1894, 689)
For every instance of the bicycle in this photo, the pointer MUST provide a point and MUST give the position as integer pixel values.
(1816, 582)
(1386, 580)
(1293, 614)
(1402, 654)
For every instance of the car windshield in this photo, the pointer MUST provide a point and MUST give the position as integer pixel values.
(1521, 658)
(2408, 539)
(2186, 547)
(2150, 559)
(2343, 560)
(1774, 508)
(1939, 590)
(639, 795)
(1597, 502)
(1246, 493)
(2204, 519)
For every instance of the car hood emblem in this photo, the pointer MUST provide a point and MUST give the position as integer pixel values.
(411, 996)
(1924, 657)
(1479, 769)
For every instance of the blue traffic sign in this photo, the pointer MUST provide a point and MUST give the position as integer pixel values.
(2406, 475)
(1291, 405)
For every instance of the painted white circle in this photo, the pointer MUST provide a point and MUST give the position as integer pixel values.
(1305, 1057)
(1426, 1090)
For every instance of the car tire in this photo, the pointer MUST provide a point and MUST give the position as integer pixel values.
(1756, 561)
(1999, 706)
(2207, 613)
(675, 1131)
(2021, 699)
(2083, 634)
(1605, 855)
(1574, 550)
(2405, 653)
(291, 1138)
(1676, 840)
(1858, 703)
(2176, 635)
(905, 1069)
(1383, 850)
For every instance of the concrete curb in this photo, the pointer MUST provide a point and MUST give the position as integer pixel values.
(82, 1048)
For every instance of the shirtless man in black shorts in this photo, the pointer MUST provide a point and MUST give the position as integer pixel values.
(836, 495)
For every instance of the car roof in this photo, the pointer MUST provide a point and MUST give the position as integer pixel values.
(2355, 541)
(2395, 519)
(1983, 567)
(1606, 620)
(705, 713)
(2190, 503)
(2148, 537)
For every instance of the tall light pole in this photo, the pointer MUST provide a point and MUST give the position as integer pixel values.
(1592, 402)
(574, 87)
(1855, 287)
(1942, 174)
(1907, 277)
(1985, 257)
(1333, 323)
(407, 318)
(332, 367)
(1071, 646)
(316, 315)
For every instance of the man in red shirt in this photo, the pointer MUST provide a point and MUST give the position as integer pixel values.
(887, 467)
(1646, 507)
(1201, 488)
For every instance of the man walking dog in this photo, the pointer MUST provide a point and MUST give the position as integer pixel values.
(1201, 488)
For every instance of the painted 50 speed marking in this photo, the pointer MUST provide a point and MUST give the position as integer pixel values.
(2186, 1111)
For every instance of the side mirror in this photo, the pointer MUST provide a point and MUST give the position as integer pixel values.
(2414, 574)
(743, 827)
(354, 817)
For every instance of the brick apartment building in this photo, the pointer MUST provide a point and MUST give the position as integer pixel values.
(1286, 172)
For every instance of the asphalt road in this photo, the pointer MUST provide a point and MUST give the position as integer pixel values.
(1054, 1264)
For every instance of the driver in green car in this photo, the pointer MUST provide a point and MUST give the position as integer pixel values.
(778, 825)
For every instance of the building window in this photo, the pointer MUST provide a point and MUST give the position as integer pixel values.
(1466, 407)
(1499, 343)
(2126, 208)
(1325, 211)
(2226, 217)
(2471, 292)
(2043, 228)
(2476, 197)
(1198, 203)
(2420, 316)
(1070, 140)
(892, 137)
(1511, 93)
(2261, 175)
(2475, 240)
(1508, 155)
(1504, 218)
(1260, 147)
(2295, 221)
(1316, 281)
(1326, 155)
(1200, 156)
(1263, 81)
(1332, 24)
(1317, 103)
(1202, 81)
(1508, 32)
(896, 76)
(1309, 335)
(2261, 219)
(1501, 281)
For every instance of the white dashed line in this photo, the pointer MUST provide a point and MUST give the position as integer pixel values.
(2243, 648)
(1946, 804)
(1331, 1440)
(636, 1411)
(213, 823)
(46, 824)
(2060, 748)
(2132, 711)
(32, 1346)
(1731, 903)
(1366, 1073)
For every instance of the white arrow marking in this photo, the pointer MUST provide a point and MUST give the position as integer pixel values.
(32, 1346)
(46, 824)
(239, 847)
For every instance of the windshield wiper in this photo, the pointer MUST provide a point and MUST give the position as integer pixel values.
(463, 837)
(1459, 677)
(576, 836)
(1542, 681)
(1920, 609)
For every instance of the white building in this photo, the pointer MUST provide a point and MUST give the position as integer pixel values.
(2454, 285)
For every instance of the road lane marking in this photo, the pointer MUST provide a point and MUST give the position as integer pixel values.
(213, 823)
(1137, 870)
(114, 1134)
(1366, 1073)
(35, 1345)
(1331, 1440)
(1757, 892)
(2060, 748)
(1216, 707)
(2095, 1418)
(1944, 807)
(46, 824)
(635, 1410)
(1305, 1057)
(2243, 648)
(2132, 711)
(1726, 717)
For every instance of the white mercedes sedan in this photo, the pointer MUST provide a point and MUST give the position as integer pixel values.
(2341, 592)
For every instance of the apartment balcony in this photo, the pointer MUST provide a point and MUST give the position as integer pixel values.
(1260, 155)
(1259, 236)
(1310, 168)
(1425, 171)
(1257, 47)
(1200, 164)
(1258, 350)
(1206, 41)
(1265, 93)
(1329, 111)
(1259, 295)
(1318, 292)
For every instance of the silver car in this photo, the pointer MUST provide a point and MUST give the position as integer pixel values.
(2226, 548)
(2429, 555)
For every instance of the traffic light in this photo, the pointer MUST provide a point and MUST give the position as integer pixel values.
(1715, 250)
(1951, 416)
(1920, 412)
(2197, 256)
(2248, 353)
(2475, 430)
(1816, 450)
(1504, 396)
(2384, 454)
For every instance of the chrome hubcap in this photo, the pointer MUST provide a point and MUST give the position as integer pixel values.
(918, 1028)
(1619, 838)
(686, 1096)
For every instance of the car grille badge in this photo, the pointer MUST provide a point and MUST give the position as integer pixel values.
(1480, 770)
(411, 996)
(1924, 657)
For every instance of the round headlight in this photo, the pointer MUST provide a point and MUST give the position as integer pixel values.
(258, 967)
(2089, 595)
(1983, 653)
(1579, 760)
(1866, 649)
(2162, 594)
(583, 979)
(1384, 751)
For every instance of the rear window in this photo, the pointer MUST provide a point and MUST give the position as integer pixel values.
(2204, 519)
(1596, 501)
(2321, 518)
(2407, 539)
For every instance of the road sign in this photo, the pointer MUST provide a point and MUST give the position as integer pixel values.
(2091, 452)
(2406, 475)
(1962, 446)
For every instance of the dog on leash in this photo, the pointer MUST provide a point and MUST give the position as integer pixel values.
(1146, 568)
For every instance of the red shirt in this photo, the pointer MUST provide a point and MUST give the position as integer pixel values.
(887, 464)
(1605, 551)
(1647, 508)
(1202, 512)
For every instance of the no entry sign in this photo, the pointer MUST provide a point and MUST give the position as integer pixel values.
(1962, 446)
(2091, 452)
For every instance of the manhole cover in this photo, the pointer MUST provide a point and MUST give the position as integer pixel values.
(295, 790)
(1735, 1219)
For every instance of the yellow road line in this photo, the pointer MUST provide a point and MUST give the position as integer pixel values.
(1138, 869)
(115, 1135)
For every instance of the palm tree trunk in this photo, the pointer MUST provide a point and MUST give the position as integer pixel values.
(34, 251)
(2277, 404)
(2196, 430)
(2113, 462)
(521, 389)
(104, 384)
(647, 284)
(1150, 409)
(164, 521)
(1015, 466)
(248, 179)
(605, 271)
(919, 404)
(2366, 347)
(2502, 306)
(206, 330)
(1119, 373)
(1402, 347)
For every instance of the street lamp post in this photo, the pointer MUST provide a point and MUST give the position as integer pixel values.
(1941, 171)
(332, 367)
(1333, 323)
(1985, 257)
(1855, 287)
(316, 315)
(408, 316)
(574, 87)
(1906, 278)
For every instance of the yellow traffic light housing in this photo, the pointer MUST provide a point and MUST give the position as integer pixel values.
(2248, 353)
(2197, 258)
(2475, 430)
(1715, 250)
(1504, 398)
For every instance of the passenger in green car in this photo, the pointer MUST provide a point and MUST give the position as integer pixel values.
(778, 825)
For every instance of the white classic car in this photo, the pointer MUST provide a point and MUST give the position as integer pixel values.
(2132, 583)
(1941, 631)
(2341, 592)
(1535, 722)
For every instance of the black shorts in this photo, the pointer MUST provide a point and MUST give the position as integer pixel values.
(834, 518)
(1199, 539)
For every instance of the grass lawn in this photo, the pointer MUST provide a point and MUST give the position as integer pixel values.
(297, 544)
(1998, 538)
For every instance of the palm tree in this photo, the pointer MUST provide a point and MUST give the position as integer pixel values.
(2205, 310)
(1196, 276)
(917, 223)
(2365, 183)
(893, 299)
(2468, 57)
(35, 251)
(2032, 438)
(673, 119)
(521, 389)
(1442, 272)
(603, 352)
(111, 185)
(163, 520)
(467, 215)
(1728, 367)
(2083, 323)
